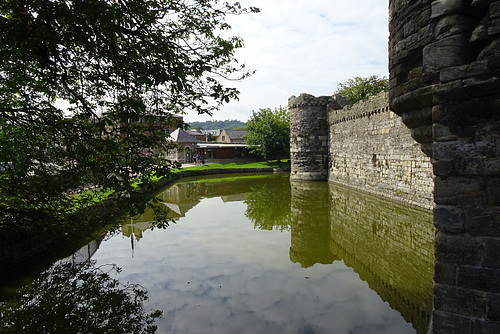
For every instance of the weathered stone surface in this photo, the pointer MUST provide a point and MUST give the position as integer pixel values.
(449, 219)
(443, 7)
(452, 25)
(451, 323)
(443, 167)
(449, 299)
(371, 149)
(493, 192)
(460, 250)
(481, 3)
(482, 220)
(495, 10)
(308, 136)
(478, 278)
(492, 254)
(486, 327)
(457, 190)
(494, 307)
(453, 73)
(444, 273)
(446, 52)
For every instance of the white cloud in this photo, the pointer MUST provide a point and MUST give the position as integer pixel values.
(304, 46)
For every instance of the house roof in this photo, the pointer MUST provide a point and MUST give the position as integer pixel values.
(236, 134)
(182, 136)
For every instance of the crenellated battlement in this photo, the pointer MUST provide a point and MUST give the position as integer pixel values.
(308, 100)
(371, 106)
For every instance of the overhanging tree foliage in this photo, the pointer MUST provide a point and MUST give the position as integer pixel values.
(123, 68)
(79, 298)
(357, 89)
(269, 131)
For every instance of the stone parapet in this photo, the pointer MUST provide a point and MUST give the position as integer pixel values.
(371, 106)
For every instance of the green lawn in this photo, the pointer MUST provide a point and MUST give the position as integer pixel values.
(233, 165)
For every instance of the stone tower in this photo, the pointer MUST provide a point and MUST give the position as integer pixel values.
(444, 64)
(309, 136)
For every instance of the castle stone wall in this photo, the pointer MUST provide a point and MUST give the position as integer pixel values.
(372, 150)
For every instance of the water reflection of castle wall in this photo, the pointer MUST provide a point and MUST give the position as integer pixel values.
(390, 246)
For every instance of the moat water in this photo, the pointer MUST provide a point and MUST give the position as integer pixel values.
(253, 254)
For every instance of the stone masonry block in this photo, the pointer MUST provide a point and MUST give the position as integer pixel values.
(483, 221)
(492, 253)
(494, 307)
(493, 191)
(450, 299)
(446, 52)
(455, 150)
(449, 219)
(494, 28)
(459, 250)
(485, 167)
(479, 278)
(444, 273)
(478, 68)
(454, 190)
(443, 167)
(441, 132)
(486, 327)
(444, 7)
(453, 73)
(477, 87)
(495, 10)
(450, 323)
(481, 3)
(438, 113)
(453, 25)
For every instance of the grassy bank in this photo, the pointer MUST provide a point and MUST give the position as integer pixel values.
(233, 167)
(271, 164)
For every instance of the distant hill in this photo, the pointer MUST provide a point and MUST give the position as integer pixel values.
(215, 125)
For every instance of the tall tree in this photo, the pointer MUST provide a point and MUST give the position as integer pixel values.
(269, 131)
(358, 88)
(123, 69)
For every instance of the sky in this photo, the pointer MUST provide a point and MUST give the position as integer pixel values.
(304, 46)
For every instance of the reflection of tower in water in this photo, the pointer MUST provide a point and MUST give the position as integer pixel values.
(310, 223)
